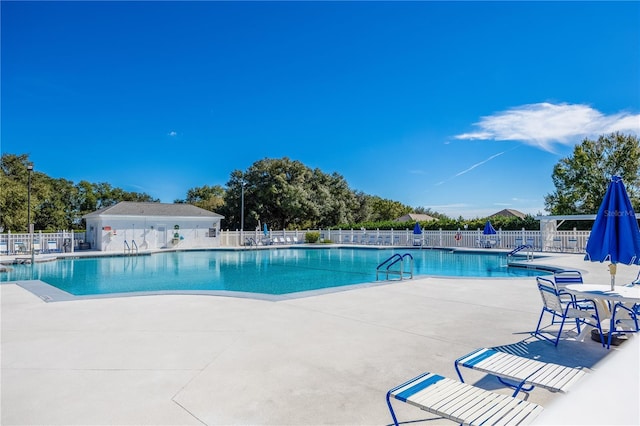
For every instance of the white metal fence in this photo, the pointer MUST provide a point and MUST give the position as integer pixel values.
(41, 242)
(558, 241)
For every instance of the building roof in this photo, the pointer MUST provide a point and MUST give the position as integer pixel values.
(509, 213)
(131, 208)
(414, 217)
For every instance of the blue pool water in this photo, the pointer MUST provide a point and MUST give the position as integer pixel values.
(274, 272)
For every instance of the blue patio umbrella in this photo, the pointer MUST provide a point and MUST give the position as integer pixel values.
(265, 230)
(488, 229)
(416, 229)
(615, 236)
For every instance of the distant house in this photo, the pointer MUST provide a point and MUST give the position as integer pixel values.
(509, 213)
(151, 226)
(415, 217)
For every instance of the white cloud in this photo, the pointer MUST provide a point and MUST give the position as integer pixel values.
(544, 124)
(173, 133)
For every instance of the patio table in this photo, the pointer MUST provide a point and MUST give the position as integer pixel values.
(629, 295)
(605, 298)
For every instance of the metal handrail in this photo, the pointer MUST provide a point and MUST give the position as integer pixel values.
(127, 249)
(134, 245)
(520, 248)
(395, 258)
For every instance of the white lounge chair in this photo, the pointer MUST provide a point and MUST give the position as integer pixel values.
(462, 403)
(523, 371)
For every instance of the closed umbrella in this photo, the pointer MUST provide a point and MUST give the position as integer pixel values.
(416, 229)
(265, 230)
(615, 236)
(488, 229)
(417, 235)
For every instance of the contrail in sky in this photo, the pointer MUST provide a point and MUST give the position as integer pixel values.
(479, 164)
(474, 166)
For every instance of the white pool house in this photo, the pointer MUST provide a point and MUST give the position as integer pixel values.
(133, 226)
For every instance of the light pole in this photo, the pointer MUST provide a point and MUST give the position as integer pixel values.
(29, 226)
(242, 211)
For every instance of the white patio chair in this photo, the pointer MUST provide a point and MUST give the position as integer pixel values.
(553, 305)
(624, 319)
(19, 247)
(52, 247)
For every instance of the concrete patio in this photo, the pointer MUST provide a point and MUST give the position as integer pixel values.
(324, 359)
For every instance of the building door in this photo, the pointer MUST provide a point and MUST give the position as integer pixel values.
(161, 236)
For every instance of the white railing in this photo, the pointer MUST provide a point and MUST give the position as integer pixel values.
(40, 242)
(558, 241)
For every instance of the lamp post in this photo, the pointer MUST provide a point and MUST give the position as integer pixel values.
(466, 226)
(29, 226)
(242, 211)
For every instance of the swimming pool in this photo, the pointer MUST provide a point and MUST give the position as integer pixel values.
(273, 271)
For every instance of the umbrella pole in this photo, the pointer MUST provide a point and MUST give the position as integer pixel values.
(612, 269)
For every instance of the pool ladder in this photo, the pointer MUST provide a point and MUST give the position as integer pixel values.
(130, 249)
(392, 261)
(527, 247)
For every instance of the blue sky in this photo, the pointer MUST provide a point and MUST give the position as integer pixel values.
(462, 107)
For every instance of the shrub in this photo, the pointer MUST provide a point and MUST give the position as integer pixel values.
(311, 237)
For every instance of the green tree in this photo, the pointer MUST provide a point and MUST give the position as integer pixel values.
(384, 209)
(206, 197)
(13, 192)
(287, 194)
(55, 203)
(581, 180)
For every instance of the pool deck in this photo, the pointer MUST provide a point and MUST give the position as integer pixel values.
(324, 359)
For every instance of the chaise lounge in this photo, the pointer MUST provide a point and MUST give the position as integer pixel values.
(523, 371)
(461, 402)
